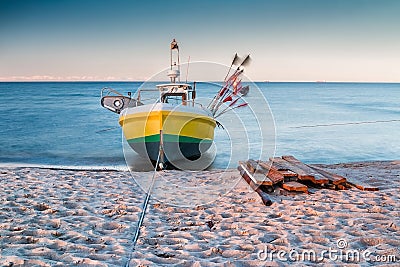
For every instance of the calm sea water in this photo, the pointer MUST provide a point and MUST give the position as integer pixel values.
(58, 123)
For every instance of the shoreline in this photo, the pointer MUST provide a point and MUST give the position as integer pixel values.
(63, 167)
(56, 217)
(124, 168)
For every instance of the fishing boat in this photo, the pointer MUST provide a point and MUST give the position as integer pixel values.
(174, 126)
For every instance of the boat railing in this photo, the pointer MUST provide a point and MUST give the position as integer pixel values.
(108, 91)
(115, 101)
(139, 94)
(192, 103)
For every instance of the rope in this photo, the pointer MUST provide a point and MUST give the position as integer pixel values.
(143, 213)
(342, 124)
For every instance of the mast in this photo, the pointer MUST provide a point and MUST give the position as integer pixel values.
(175, 68)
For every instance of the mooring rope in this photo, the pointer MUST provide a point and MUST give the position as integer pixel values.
(143, 213)
(342, 124)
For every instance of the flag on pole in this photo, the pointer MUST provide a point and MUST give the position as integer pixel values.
(237, 85)
(229, 98)
(222, 92)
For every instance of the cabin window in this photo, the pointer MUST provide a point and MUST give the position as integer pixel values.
(174, 98)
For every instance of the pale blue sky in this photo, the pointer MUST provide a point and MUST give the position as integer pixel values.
(298, 40)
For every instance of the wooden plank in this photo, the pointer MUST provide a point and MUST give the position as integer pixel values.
(363, 187)
(288, 173)
(245, 174)
(262, 179)
(282, 164)
(276, 175)
(266, 165)
(341, 181)
(317, 178)
(333, 178)
(341, 187)
(258, 174)
(273, 174)
(295, 186)
(251, 165)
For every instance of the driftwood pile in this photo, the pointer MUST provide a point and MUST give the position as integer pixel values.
(291, 175)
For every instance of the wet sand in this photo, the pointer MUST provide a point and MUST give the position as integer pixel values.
(88, 218)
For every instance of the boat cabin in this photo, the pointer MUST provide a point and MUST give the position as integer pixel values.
(176, 93)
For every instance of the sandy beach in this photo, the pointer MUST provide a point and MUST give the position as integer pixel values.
(54, 217)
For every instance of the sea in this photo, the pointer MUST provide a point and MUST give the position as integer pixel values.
(62, 124)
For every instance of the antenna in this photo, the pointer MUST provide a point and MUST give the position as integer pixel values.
(187, 69)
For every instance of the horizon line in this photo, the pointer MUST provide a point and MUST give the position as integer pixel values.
(143, 81)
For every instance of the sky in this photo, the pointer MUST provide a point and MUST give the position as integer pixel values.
(289, 40)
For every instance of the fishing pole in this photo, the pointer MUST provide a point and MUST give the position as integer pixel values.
(211, 105)
(239, 106)
(222, 91)
(230, 105)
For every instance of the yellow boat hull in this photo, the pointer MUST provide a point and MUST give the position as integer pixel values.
(184, 133)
